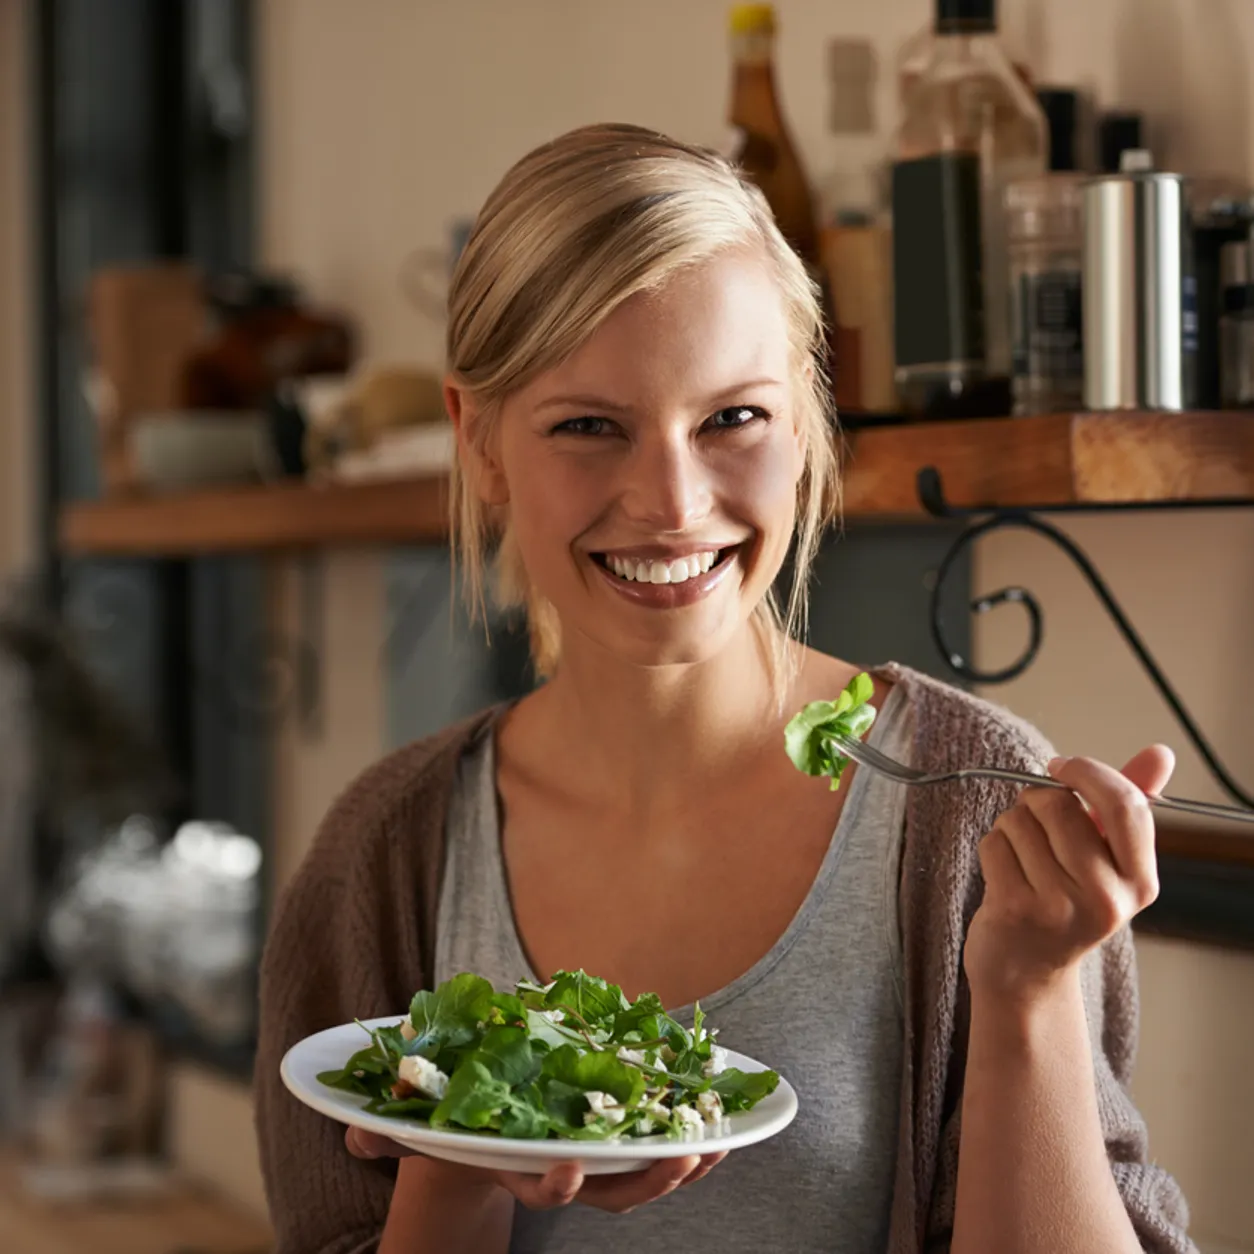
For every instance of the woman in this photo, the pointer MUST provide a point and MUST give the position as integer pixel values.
(945, 975)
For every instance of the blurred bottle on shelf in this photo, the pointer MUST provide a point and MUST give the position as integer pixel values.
(970, 126)
(1045, 239)
(1118, 131)
(1066, 113)
(763, 146)
(1221, 213)
(1045, 235)
(856, 235)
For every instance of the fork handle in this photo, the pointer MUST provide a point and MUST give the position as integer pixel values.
(1207, 809)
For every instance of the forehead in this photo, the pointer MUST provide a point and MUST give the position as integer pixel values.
(706, 327)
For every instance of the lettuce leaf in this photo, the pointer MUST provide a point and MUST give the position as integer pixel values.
(808, 736)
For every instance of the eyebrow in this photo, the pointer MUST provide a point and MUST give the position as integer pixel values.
(586, 400)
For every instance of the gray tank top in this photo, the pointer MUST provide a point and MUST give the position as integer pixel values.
(823, 1007)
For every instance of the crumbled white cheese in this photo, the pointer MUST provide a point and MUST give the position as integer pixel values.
(688, 1123)
(633, 1056)
(654, 1114)
(603, 1106)
(667, 1054)
(710, 1106)
(425, 1076)
(717, 1063)
(553, 1016)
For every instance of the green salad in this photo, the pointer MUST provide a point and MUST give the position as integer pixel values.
(808, 736)
(573, 1059)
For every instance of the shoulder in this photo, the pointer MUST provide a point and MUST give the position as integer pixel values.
(353, 928)
(383, 836)
(954, 727)
(404, 795)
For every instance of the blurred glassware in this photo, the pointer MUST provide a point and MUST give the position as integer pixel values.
(176, 925)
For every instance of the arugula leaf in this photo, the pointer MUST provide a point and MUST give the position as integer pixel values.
(525, 1116)
(564, 1104)
(507, 1054)
(741, 1090)
(646, 1020)
(404, 1107)
(474, 1098)
(509, 1008)
(808, 736)
(449, 1016)
(596, 1072)
(589, 996)
(376, 1075)
(688, 1071)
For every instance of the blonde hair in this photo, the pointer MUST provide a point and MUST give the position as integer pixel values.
(573, 229)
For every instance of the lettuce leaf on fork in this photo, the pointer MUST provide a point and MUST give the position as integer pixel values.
(808, 738)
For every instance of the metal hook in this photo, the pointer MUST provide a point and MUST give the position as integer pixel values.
(931, 493)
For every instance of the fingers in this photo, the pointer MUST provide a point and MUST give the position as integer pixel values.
(620, 1194)
(708, 1163)
(1151, 769)
(1073, 840)
(363, 1144)
(1121, 810)
(557, 1187)
(616, 1193)
(1033, 850)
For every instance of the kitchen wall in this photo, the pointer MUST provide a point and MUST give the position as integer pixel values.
(384, 120)
(16, 398)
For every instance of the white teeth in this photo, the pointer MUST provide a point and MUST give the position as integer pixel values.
(677, 571)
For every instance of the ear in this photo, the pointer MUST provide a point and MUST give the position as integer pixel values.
(479, 460)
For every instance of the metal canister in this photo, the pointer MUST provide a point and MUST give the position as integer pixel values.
(1139, 290)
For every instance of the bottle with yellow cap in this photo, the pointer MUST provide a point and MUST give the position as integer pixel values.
(764, 148)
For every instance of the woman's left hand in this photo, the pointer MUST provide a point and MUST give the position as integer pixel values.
(1059, 879)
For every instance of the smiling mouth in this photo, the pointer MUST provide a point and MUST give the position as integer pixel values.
(658, 571)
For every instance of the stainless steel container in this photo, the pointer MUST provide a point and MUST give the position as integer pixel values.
(1139, 292)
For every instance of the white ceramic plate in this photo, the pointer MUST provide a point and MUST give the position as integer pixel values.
(327, 1051)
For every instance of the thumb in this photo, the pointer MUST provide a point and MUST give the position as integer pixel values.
(1150, 769)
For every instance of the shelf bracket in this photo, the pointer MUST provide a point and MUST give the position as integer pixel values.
(982, 521)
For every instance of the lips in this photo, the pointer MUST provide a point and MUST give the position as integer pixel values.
(665, 582)
(660, 570)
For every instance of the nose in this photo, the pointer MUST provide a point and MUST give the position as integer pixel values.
(667, 486)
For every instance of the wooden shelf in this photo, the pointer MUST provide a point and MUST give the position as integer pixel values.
(1056, 459)
(1064, 459)
(254, 519)
(1223, 842)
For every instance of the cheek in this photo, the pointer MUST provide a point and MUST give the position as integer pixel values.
(766, 483)
(551, 505)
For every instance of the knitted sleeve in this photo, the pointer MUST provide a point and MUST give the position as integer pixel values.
(346, 942)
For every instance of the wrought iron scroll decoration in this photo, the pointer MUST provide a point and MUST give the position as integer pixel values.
(985, 520)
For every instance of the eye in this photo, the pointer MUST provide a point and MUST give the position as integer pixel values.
(734, 417)
(583, 426)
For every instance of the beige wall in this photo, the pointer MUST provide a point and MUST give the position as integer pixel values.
(384, 119)
(16, 313)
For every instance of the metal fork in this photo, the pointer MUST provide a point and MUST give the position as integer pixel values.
(870, 757)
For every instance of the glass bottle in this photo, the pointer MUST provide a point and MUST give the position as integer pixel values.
(1045, 238)
(764, 147)
(971, 125)
(856, 235)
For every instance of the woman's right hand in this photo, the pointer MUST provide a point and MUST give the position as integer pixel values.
(562, 1184)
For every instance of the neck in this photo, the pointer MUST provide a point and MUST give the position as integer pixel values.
(647, 737)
